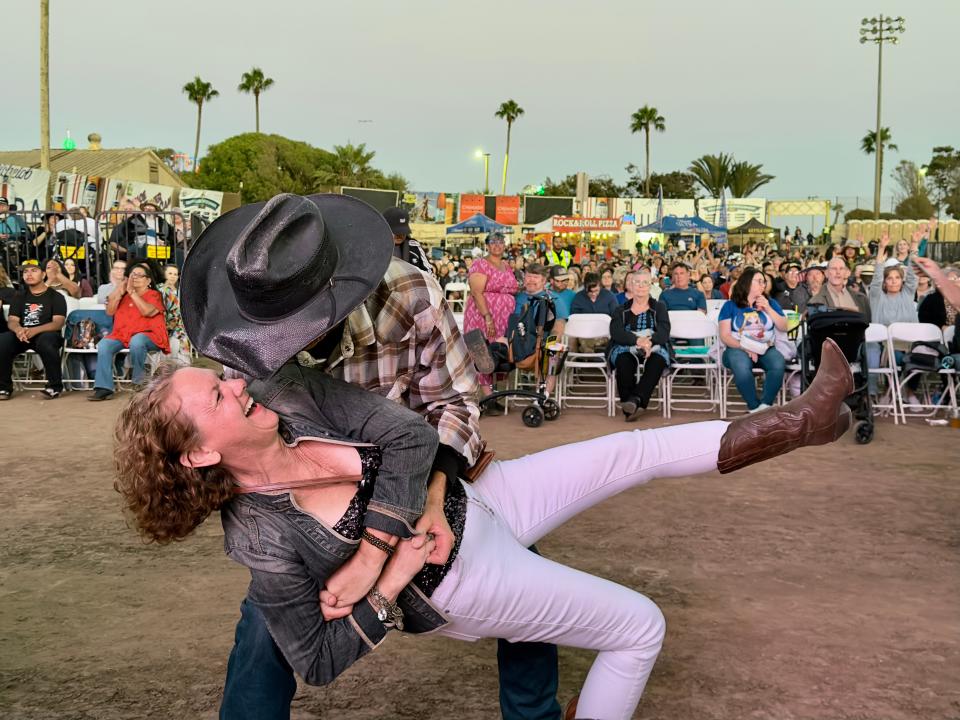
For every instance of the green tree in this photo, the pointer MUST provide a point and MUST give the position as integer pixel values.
(744, 179)
(600, 186)
(943, 176)
(264, 165)
(199, 92)
(350, 165)
(864, 214)
(675, 184)
(913, 198)
(508, 111)
(643, 120)
(712, 172)
(869, 144)
(255, 82)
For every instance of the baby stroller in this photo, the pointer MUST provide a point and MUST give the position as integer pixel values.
(529, 347)
(847, 329)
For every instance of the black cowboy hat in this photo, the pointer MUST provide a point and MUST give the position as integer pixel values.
(266, 280)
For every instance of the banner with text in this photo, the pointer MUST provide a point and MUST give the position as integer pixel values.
(72, 190)
(644, 210)
(508, 210)
(471, 205)
(564, 224)
(24, 188)
(129, 194)
(739, 210)
(208, 204)
(430, 207)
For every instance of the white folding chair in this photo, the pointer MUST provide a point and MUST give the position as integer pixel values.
(587, 380)
(713, 306)
(692, 362)
(457, 304)
(877, 333)
(911, 333)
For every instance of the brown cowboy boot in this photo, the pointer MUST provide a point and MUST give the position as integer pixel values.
(817, 417)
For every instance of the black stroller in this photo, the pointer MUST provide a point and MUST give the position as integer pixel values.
(847, 329)
(530, 348)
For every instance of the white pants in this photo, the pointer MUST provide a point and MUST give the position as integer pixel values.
(498, 588)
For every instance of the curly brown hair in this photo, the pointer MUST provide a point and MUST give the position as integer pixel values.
(167, 500)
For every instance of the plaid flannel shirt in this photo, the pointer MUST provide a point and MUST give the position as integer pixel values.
(403, 343)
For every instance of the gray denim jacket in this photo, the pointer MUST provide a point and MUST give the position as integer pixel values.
(290, 554)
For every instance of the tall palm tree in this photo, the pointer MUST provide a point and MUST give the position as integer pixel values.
(255, 82)
(350, 166)
(743, 179)
(869, 144)
(712, 172)
(199, 92)
(643, 120)
(508, 111)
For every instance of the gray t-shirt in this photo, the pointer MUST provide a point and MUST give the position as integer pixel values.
(103, 292)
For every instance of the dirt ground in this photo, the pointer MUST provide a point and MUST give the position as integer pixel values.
(823, 586)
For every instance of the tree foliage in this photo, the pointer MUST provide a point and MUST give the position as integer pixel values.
(352, 165)
(864, 214)
(600, 186)
(744, 179)
(712, 172)
(913, 199)
(265, 164)
(676, 184)
(943, 177)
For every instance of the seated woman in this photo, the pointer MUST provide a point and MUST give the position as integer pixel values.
(74, 276)
(748, 321)
(323, 467)
(138, 324)
(57, 278)
(891, 300)
(639, 335)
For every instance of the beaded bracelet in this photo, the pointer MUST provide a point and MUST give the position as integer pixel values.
(377, 543)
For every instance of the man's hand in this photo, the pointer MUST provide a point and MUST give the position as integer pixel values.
(22, 335)
(435, 522)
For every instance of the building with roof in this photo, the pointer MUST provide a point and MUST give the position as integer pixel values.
(136, 164)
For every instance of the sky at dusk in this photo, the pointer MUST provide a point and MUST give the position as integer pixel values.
(786, 84)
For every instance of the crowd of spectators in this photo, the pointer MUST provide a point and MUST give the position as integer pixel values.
(763, 285)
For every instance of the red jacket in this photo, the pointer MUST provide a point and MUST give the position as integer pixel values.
(128, 321)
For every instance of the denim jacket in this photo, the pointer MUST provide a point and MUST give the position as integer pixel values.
(290, 554)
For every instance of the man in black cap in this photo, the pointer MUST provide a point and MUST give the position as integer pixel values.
(404, 246)
(794, 295)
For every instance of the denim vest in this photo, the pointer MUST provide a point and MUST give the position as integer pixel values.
(290, 553)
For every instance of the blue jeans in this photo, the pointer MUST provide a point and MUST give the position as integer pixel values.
(260, 683)
(740, 364)
(107, 349)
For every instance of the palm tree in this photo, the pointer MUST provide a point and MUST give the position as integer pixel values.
(838, 209)
(712, 172)
(350, 166)
(743, 179)
(869, 142)
(199, 92)
(255, 82)
(644, 119)
(508, 111)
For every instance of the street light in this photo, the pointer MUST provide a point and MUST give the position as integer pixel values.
(486, 169)
(879, 30)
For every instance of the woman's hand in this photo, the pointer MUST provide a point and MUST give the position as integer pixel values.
(762, 304)
(491, 328)
(882, 245)
(410, 557)
(753, 356)
(131, 288)
(354, 579)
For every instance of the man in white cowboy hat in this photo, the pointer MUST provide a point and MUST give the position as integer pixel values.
(381, 324)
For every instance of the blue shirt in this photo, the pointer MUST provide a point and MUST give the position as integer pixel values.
(749, 321)
(561, 308)
(690, 299)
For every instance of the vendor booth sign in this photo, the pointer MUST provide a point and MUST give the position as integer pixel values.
(563, 224)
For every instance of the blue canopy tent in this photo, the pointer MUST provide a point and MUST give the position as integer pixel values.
(477, 225)
(673, 225)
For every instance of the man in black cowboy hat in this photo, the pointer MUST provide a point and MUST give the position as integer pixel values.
(405, 246)
(265, 281)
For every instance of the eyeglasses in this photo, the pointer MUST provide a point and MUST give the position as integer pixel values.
(138, 275)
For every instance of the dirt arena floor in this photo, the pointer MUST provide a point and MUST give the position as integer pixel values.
(823, 586)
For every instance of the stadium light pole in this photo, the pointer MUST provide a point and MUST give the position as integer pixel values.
(879, 30)
(486, 169)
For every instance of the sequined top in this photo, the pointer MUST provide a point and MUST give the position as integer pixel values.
(350, 525)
